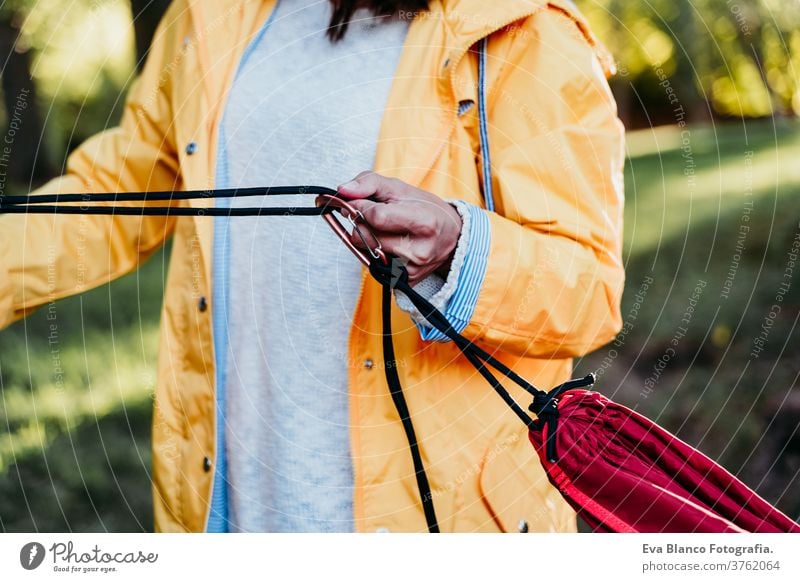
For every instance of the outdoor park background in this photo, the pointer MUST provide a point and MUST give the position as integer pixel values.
(711, 216)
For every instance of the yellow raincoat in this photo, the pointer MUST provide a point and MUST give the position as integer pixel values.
(553, 281)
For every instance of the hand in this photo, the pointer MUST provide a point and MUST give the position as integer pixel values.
(416, 226)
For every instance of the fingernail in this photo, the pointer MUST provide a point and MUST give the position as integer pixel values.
(351, 185)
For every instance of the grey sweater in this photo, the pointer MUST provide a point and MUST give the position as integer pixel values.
(301, 111)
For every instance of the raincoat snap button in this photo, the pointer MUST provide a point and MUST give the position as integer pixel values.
(191, 148)
(206, 464)
(202, 304)
(522, 526)
(368, 363)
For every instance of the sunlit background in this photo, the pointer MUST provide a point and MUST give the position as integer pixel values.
(75, 450)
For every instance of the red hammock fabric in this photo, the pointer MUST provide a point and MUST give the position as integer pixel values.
(623, 473)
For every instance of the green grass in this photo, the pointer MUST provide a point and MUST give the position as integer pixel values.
(75, 455)
(75, 415)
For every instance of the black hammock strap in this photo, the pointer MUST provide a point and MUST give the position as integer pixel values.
(391, 274)
(114, 203)
(544, 404)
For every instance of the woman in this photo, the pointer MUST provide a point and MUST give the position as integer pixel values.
(496, 156)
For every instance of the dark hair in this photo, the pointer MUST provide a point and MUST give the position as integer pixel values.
(343, 12)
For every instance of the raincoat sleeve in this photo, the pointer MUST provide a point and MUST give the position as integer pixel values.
(45, 257)
(554, 276)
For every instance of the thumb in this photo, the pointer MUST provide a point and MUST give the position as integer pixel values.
(369, 185)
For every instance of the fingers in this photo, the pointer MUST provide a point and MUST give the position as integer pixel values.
(396, 218)
(370, 184)
(414, 225)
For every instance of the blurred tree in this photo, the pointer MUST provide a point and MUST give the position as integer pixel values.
(72, 67)
(23, 128)
(720, 57)
(754, 39)
(74, 64)
(146, 15)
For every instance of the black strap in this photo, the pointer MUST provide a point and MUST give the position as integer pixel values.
(395, 276)
(544, 404)
(86, 203)
(400, 404)
(165, 210)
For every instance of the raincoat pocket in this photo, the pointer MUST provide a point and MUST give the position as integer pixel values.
(521, 500)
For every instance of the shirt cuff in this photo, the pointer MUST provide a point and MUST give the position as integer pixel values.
(456, 296)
